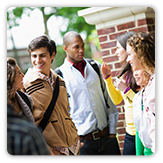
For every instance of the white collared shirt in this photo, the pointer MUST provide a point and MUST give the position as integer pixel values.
(87, 105)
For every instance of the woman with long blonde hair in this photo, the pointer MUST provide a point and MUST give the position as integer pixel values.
(141, 55)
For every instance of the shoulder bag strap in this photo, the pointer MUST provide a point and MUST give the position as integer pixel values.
(50, 108)
(58, 71)
(25, 98)
(96, 68)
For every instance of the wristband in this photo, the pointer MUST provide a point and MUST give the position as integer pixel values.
(106, 77)
(127, 89)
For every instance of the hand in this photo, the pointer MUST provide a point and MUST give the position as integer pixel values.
(120, 84)
(105, 69)
(112, 135)
(50, 149)
(81, 144)
(55, 152)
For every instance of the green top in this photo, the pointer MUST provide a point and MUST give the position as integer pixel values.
(140, 149)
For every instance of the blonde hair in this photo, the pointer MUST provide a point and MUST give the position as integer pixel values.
(144, 46)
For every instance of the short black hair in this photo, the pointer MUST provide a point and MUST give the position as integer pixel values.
(68, 36)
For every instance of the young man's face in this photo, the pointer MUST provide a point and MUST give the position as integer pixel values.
(41, 60)
(75, 50)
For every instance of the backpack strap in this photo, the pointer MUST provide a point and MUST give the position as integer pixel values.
(58, 71)
(50, 108)
(25, 98)
(96, 68)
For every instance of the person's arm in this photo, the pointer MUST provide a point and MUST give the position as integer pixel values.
(115, 94)
(147, 151)
(112, 112)
(113, 116)
(129, 93)
(35, 91)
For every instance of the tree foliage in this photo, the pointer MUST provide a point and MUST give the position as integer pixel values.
(75, 22)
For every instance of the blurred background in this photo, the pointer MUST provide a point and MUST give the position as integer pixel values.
(26, 23)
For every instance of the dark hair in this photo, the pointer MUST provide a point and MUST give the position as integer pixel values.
(122, 39)
(42, 41)
(11, 74)
(126, 69)
(144, 46)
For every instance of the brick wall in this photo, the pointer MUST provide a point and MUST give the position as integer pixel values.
(107, 38)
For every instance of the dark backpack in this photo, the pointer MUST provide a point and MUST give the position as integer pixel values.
(96, 68)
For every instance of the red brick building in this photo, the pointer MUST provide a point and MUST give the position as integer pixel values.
(111, 22)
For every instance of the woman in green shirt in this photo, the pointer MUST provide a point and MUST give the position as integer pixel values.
(141, 121)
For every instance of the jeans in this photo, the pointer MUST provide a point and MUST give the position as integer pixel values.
(103, 146)
(129, 145)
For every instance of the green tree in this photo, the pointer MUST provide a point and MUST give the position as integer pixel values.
(75, 23)
(12, 21)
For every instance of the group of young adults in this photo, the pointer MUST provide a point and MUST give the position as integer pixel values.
(75, 107)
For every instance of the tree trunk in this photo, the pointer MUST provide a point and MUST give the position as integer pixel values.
(45, 21)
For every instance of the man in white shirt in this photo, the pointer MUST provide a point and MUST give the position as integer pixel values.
(96, 123)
